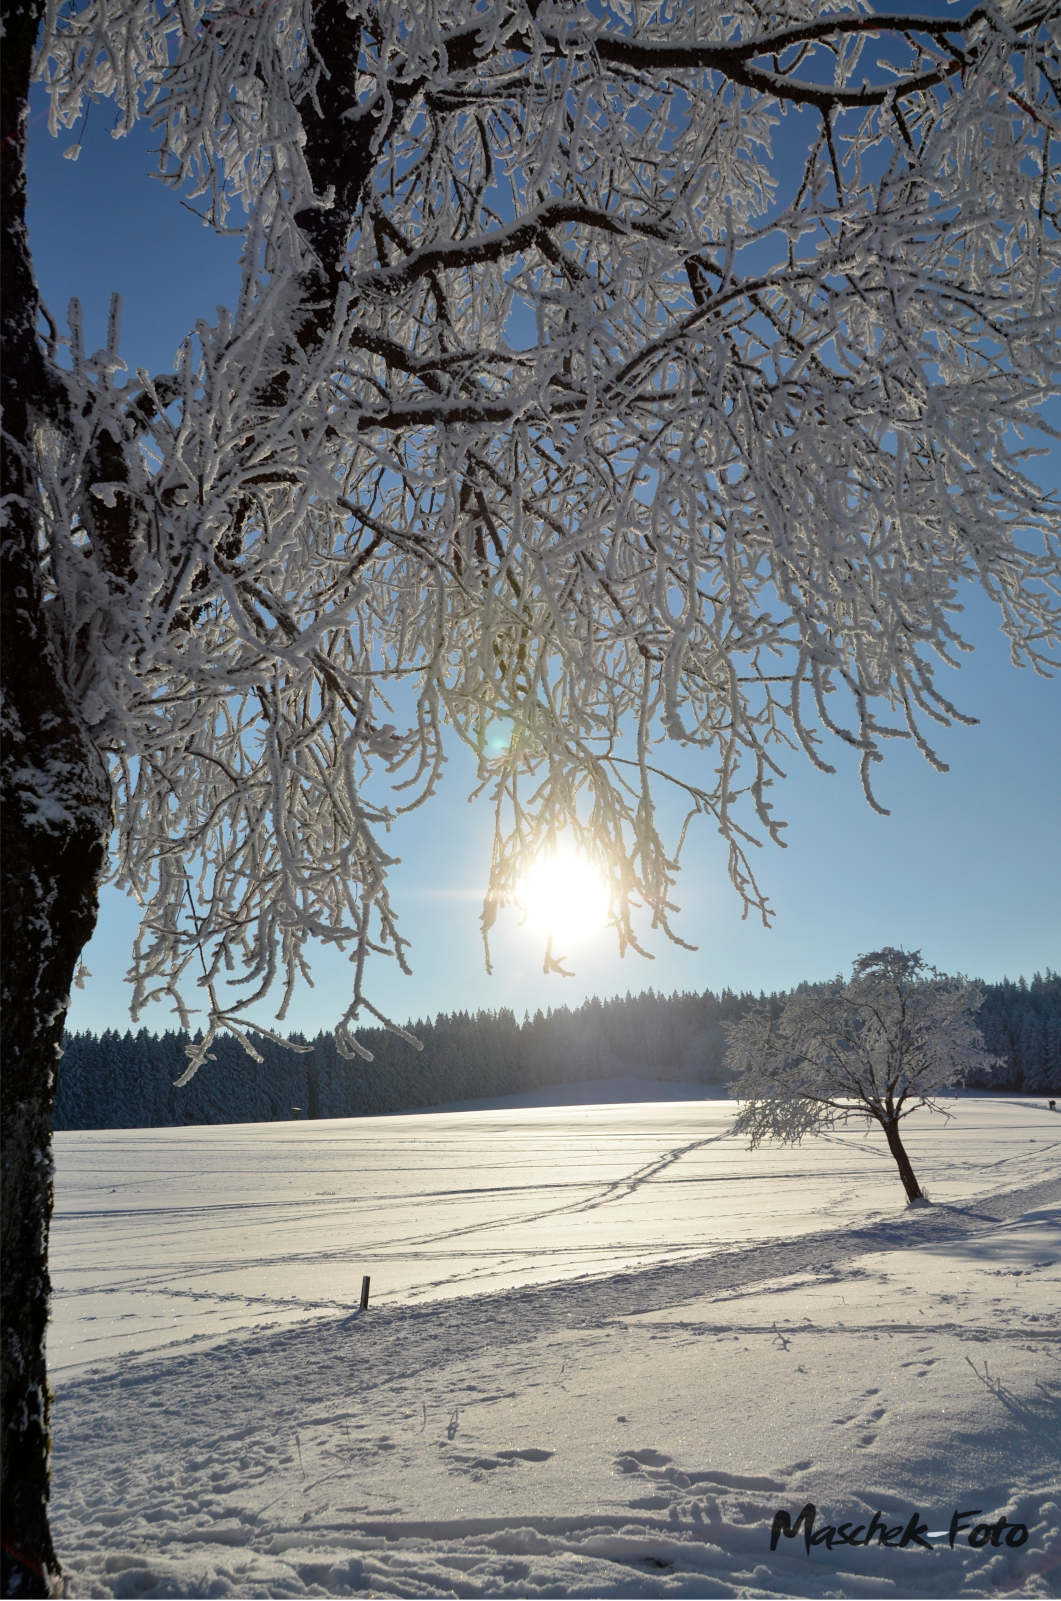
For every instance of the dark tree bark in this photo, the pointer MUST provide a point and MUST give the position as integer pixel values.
(902, 1161)
(55, 800)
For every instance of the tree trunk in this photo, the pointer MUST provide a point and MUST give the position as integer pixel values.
(53, 846)
(902, 1161)
(55, 799)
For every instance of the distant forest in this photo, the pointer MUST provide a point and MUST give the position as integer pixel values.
(126, 1080)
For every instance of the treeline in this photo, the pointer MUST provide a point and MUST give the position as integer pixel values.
(1021, 1023)
(126, 1081)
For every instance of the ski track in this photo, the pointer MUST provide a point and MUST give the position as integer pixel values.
(628, 1431)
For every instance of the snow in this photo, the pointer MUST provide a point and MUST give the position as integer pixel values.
(605, 1345)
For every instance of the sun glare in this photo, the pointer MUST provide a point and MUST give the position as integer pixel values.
(565, 897)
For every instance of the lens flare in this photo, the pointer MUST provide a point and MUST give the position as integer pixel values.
(565, 897)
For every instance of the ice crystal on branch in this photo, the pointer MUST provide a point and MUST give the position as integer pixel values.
(775, 415)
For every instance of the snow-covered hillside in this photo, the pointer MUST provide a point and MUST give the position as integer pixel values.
(606, 1345)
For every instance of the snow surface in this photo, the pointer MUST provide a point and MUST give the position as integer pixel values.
(606, 1344)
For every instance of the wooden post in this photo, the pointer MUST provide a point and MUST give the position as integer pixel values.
(365, 1282)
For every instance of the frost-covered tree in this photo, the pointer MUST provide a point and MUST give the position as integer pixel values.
(792, 270)
(875, 1050)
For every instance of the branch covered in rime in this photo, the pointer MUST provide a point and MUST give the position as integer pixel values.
(771, 420)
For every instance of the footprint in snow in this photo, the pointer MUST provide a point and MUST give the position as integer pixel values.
(477, 1466)
(648, 1457)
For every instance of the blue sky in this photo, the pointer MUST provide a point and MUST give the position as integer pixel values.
(967, 867)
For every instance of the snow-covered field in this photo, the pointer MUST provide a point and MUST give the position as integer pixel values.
(606, 1345)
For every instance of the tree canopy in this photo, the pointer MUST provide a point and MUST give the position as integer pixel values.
(776, 412)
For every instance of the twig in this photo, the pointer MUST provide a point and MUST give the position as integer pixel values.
(993, 1384)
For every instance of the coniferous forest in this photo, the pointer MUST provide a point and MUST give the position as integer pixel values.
(127, 1080)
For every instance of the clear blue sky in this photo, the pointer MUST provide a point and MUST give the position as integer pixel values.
(967, 867)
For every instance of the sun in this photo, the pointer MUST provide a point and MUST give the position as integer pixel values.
(564, 897)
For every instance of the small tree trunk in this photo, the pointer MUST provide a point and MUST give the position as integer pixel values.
(902, 1161)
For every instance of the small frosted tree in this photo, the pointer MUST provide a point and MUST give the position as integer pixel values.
(878, 1048)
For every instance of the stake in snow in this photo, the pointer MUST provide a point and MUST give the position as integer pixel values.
(878, 1048)
(772, 416)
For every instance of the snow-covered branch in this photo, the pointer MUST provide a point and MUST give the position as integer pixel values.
(769, 425)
